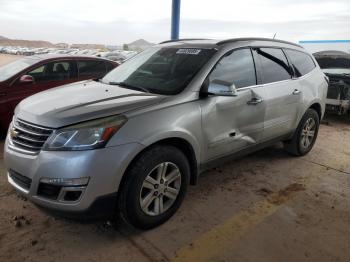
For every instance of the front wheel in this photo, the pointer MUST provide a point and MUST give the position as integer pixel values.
(305, 136)
(155, 186)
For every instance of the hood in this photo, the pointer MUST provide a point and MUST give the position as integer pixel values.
(333, 61)
(69, 104)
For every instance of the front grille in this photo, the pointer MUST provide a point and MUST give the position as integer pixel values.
(27, 137)
(22, 181)
(49, 191)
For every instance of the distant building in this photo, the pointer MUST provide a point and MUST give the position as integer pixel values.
(314, 46)
(139, 45)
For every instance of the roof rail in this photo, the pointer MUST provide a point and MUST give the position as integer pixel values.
(256, 39)
(183, 39)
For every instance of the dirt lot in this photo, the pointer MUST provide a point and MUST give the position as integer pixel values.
(4, 59)
(268, 206)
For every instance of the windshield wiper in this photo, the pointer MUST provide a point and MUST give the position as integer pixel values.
(123, 84)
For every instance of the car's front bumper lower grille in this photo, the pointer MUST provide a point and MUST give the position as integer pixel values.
(22, 181)
(49, 191)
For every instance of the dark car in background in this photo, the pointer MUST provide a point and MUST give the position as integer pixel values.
(336, 65)
(33, 74)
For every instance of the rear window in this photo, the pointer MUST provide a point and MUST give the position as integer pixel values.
(274, 65)
(302, 63)
(91, 68)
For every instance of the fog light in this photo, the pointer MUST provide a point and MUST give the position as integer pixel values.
(72, 195)
(82, 181)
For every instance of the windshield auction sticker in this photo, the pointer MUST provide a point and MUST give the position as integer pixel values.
(188, 51)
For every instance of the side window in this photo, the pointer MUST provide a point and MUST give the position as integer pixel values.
(38, 70)
(91, 68)
(235, 68)
(274, 65)
(62, 70)
(302, 63)
(38, 73)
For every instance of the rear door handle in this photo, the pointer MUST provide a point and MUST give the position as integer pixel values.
(296, 92)
(3, 94)
(254, 101)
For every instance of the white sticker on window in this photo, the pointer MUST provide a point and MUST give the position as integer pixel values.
(188, 51)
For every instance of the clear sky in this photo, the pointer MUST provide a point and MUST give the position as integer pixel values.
(122, 21)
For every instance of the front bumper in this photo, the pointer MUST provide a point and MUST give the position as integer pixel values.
(104, 168)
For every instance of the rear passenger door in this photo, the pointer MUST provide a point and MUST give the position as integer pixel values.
(91, 69)
(303, 65)
(282, 94)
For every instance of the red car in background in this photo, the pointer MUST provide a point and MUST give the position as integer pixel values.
(32, 74)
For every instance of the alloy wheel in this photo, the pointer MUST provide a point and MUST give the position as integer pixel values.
(160, 189)
(308, 133)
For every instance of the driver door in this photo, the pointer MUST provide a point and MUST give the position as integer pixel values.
(232, 123)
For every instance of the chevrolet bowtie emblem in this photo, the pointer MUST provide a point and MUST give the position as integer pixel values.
(13, 133)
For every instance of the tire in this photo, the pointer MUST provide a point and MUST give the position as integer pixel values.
(298, 146)
(135, 190)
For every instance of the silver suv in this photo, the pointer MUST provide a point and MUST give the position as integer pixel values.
(129, 144)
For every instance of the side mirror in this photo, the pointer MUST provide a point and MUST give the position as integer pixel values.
(26, 79)
(219, 88)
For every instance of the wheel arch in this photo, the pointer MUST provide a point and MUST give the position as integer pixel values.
(182, 144)
(186, 148)
(317, 107)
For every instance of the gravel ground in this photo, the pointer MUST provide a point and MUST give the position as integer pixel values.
(268, 206)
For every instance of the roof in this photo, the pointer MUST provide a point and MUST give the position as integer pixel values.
(58, 56)
(215, 43)
(191, 42)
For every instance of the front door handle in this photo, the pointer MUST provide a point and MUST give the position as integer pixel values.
(296, 92)
(3, 94)
(254, 101)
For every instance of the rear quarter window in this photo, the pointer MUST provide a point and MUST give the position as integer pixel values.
(91, 68)
(302, 63)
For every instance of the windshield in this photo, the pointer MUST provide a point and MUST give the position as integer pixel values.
(15, 67)
(160, 70)
(337, 71)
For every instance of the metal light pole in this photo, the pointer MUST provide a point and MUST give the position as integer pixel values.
(175, 19)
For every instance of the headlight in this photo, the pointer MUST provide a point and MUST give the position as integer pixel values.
(87, 135)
